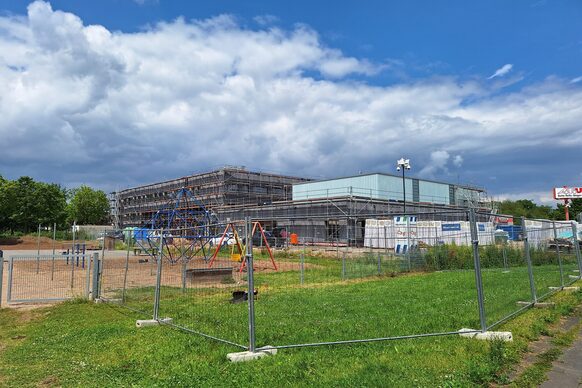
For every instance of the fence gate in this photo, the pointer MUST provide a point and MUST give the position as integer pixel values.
(49, 278)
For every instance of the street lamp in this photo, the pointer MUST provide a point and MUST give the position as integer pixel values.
(402, 165)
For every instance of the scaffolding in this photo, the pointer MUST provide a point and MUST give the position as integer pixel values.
(228, 186)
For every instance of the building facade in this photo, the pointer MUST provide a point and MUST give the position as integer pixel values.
(228, 186)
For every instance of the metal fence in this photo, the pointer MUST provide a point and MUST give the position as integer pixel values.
(49, 278)
(320, 281)
(332, 281)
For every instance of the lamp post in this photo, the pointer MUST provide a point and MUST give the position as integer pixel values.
(402, 165)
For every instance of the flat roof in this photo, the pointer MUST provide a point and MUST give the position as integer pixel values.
(212, 172)
(464, 186)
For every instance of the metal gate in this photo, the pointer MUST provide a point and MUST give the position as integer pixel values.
(50, 278)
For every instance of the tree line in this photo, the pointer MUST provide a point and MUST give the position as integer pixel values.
(26, 203)
(528, 209)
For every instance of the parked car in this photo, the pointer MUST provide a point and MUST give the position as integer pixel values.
(229, 239)
(272, 240)
(116, 234)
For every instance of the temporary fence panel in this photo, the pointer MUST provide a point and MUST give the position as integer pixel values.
(128, 277)
(346, 293)
(206, 291)
(505, 276)
(47, 278)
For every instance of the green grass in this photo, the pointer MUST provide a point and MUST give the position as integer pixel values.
(326, 308)
(83, 344)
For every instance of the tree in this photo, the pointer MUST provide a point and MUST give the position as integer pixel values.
(24, 204)
(5, 204)
(526, 208)
(88, 206)
(574, 210)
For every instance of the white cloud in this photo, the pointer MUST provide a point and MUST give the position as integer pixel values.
(438, 162)
(539, 197)
(266, 20)
(575, 80)
(82, 104)
(458, 161)
(503, 70)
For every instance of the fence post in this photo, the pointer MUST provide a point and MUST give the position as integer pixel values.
(53, 259)
(408, 243)
(38, 250)
(577, 249)
(343, 266)
(558, 253)
(477, 263)
(250, 281)
(126, 270)
(379, 264)
(10, 270)
(532, 284)
(96, 269)
(159, 276)
(1, 274)
(88, 278)
(301, 266)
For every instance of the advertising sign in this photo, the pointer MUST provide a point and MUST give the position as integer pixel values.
(567, 192)
(450, 227)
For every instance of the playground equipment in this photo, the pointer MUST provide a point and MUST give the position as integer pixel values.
(240, 247)
(184, 225)
(76, 253)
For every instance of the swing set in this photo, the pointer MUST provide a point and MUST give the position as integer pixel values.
(238, 249)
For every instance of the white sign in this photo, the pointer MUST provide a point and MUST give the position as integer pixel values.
(567, 192)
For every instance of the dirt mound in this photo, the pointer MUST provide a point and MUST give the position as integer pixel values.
(29, 242)
(10, 240)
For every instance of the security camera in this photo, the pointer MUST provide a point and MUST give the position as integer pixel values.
(408, 167)
(398, 168)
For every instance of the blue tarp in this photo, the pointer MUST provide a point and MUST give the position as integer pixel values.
(140, 233)
(514, 231)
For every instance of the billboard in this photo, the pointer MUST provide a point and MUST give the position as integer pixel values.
(567, 192)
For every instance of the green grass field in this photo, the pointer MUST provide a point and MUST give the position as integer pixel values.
(334, 304)
(83, 344)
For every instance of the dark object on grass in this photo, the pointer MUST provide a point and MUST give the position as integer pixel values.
(142, 261)
(242, 296)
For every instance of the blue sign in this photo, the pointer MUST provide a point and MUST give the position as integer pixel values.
(481, 227)
(450, 227)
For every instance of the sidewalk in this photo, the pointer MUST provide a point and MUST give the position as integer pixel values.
(567, 370)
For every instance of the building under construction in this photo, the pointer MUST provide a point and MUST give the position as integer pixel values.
(228, 186)
(327, 209)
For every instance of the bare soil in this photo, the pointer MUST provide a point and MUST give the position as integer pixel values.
(32, 242)
(37, 282)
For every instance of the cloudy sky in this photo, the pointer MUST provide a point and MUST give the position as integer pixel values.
(116, 93)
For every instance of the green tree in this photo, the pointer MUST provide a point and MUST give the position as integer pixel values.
(88, 206)
(5, 204)
(574, 210)
(51, 204)
(526, 208)
(25, 203)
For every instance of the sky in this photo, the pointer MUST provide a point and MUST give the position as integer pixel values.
(117, 93)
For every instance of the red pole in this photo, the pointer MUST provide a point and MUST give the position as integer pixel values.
(566, 210)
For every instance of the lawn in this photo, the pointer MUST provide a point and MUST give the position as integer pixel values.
(83, 344)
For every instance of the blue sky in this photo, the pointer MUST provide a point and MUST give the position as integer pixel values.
(118, 92)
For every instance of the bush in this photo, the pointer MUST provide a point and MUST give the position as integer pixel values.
(451, 256)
